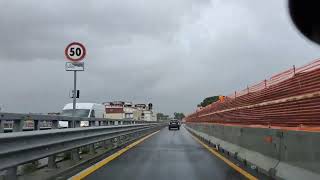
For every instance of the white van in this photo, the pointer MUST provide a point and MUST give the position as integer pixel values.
(83, 110)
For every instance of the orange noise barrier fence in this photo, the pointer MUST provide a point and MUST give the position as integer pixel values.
(290, 99)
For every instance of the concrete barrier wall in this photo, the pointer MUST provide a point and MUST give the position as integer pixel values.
(278, 153)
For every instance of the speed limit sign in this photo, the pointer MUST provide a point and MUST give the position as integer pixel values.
(75, 52)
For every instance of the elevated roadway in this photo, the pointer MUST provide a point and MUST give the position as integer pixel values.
(164, 155)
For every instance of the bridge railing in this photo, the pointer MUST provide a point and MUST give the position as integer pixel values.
(24, 147)
(25, 122)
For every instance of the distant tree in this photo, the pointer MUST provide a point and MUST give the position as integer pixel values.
(208, 100)
(161, 116)
(178, 115)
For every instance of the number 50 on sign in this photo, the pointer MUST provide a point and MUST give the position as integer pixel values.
(75, 52)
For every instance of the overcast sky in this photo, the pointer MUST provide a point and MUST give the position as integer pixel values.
(172, 53)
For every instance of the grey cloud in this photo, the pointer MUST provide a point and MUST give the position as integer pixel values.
(40, 30)
(172, 53)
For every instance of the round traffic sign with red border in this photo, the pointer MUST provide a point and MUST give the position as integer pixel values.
(75, 51)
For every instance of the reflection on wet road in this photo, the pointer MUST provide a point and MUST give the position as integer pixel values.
(167, 155)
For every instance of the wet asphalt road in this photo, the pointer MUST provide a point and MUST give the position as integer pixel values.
(167, 155)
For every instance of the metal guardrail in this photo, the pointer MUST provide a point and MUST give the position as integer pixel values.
(19, 121)
(24, 147)
(19, 148)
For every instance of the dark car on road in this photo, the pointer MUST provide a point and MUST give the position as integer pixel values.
(174, 124)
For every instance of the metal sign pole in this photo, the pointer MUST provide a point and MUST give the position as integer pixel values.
(74, 96)
(74, 52)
